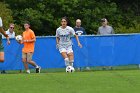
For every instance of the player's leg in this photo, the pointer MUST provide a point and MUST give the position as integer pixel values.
(64, 55)
(66, 59)
(71, 58)
(2, 60)
(70, 55)
(30, 61)
(24, 60)
(1, 52)
(1, 56)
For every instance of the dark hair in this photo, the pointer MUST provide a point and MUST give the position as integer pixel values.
(66, 18)
(27, 22)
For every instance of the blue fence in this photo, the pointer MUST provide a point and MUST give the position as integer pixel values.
(111, 50)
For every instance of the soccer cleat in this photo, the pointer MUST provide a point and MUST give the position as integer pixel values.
(28, 71)
(3, 72)
(38, 69)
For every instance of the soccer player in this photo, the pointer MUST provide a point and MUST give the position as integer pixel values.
(64, 42)
(28, 49)
(1, 46)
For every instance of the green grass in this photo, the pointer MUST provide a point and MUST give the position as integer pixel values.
(115, 81)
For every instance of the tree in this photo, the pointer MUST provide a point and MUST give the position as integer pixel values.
(45, 15)
(6, 15)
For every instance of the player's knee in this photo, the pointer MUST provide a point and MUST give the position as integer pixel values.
(1, 60)
(70, 54)
(23, 60)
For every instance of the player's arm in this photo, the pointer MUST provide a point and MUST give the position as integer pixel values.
(57, 40)
(3, 32)
(76, 36)
(77, 39)
(57, 37)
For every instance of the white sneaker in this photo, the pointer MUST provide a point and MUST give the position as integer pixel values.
(87, 68)
(28, 71)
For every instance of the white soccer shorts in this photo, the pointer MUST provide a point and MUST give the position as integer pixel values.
(67, 49)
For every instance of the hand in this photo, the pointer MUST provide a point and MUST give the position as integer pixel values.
(19, 41)
(79, 44)
(25, 40)
(8, 42)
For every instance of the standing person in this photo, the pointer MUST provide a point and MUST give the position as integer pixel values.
(11, 34)
(1, 46)
(105, 29)
(64, 42)
(28, 49)
(80, 31)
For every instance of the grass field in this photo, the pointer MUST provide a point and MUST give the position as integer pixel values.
(115, 81)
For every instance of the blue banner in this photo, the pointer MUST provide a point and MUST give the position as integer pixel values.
(111, 50)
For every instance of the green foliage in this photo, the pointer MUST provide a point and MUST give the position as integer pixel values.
(132, 29)
(5, 14)
(45, 15)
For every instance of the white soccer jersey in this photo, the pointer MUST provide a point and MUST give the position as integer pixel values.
(65, 35)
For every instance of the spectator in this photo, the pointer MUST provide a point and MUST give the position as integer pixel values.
(10, 32)
(105, 29)
(80, 31)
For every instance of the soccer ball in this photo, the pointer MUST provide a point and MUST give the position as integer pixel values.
(70, 69)
(18, 37)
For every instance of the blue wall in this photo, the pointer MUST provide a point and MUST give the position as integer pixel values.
(111, 50)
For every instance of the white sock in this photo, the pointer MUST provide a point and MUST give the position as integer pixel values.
(66, 62)
(71, 63)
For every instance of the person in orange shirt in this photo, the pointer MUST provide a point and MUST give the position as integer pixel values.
(28, 49)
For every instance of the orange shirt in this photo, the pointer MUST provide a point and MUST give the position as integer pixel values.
(28, 46)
